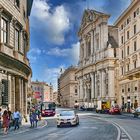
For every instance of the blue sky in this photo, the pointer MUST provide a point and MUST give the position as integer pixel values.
(53, 27)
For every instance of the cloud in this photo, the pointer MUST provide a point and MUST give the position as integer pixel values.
(52, 74)
(53, 23)
(33, 54)
(71, 53)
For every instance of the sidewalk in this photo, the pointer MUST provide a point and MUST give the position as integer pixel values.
(25, 127)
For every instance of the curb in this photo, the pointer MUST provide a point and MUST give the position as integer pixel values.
(45, 123)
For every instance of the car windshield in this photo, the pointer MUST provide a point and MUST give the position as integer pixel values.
(67, 113)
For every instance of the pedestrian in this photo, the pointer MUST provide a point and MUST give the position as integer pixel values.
(38, 113)
(5, 121)
(31, 119)
(16, 116)
(0, 118)
(35, 120)
(10, 117)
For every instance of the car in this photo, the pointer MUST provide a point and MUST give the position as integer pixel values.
(136, 112)
(47, 112)
(115, 110)
(67, 117)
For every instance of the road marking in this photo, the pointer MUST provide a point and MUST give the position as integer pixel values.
(120, 129)
(89, 127)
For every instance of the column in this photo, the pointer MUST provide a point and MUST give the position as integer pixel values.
(13, 94)
(92, 85)
(85, 48)
(92, 46)
(22, 97)
(103, 83)
(111, 85)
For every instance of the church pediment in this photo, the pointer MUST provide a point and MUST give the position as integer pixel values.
(91, 16)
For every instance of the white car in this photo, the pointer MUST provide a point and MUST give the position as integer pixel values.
(136, 112)
(67, 117)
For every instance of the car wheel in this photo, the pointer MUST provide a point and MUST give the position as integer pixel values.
(78, 122)
(58, 126)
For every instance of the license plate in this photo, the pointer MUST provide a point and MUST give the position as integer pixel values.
(65, 121)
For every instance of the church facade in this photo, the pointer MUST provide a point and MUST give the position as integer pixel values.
(97, 73)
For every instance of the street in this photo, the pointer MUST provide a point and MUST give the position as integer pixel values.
(92, 127)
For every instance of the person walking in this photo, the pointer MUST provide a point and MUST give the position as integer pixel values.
(31, 119)
(0, 118)
(16, 115)
(5, 121)
(34, 114)
(10, 117)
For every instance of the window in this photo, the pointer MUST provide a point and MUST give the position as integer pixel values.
(128, 89)
(122, 39)
(122, 90)
(128, 50)
(122, 53)
(17, 38)
(135, 64)
(134, 29)
(89, 49)
(127, 34)
(17, 3)
(135, 88)
(135, 46)
(4, 31)
(128, 20)
(134, 14)
(128, 67)
(75, 90)
(122, 27)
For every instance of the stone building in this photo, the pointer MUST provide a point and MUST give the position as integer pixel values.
(97, 63)
(68, 87)
(55, 97)
(129, 55)
(15, 70)
(42, 91)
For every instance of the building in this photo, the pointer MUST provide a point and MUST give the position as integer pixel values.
(42, 92)
(68, 92)
(97, 63)
(55, 97)
(129, 55)
(15, 71)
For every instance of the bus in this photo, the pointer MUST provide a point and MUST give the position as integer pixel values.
(48, 109)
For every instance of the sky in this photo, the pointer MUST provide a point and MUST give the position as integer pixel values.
(54, 25)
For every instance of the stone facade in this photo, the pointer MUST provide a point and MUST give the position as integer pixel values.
(15, 70)
(98, 56)
(42, 91)
(68, 88)
(55, 97)
(129, 55)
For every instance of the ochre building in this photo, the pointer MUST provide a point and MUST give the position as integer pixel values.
(15, 71)
(129, 56)
(68, 88)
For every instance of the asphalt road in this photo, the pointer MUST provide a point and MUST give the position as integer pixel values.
(92, 127)
(89, 129)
